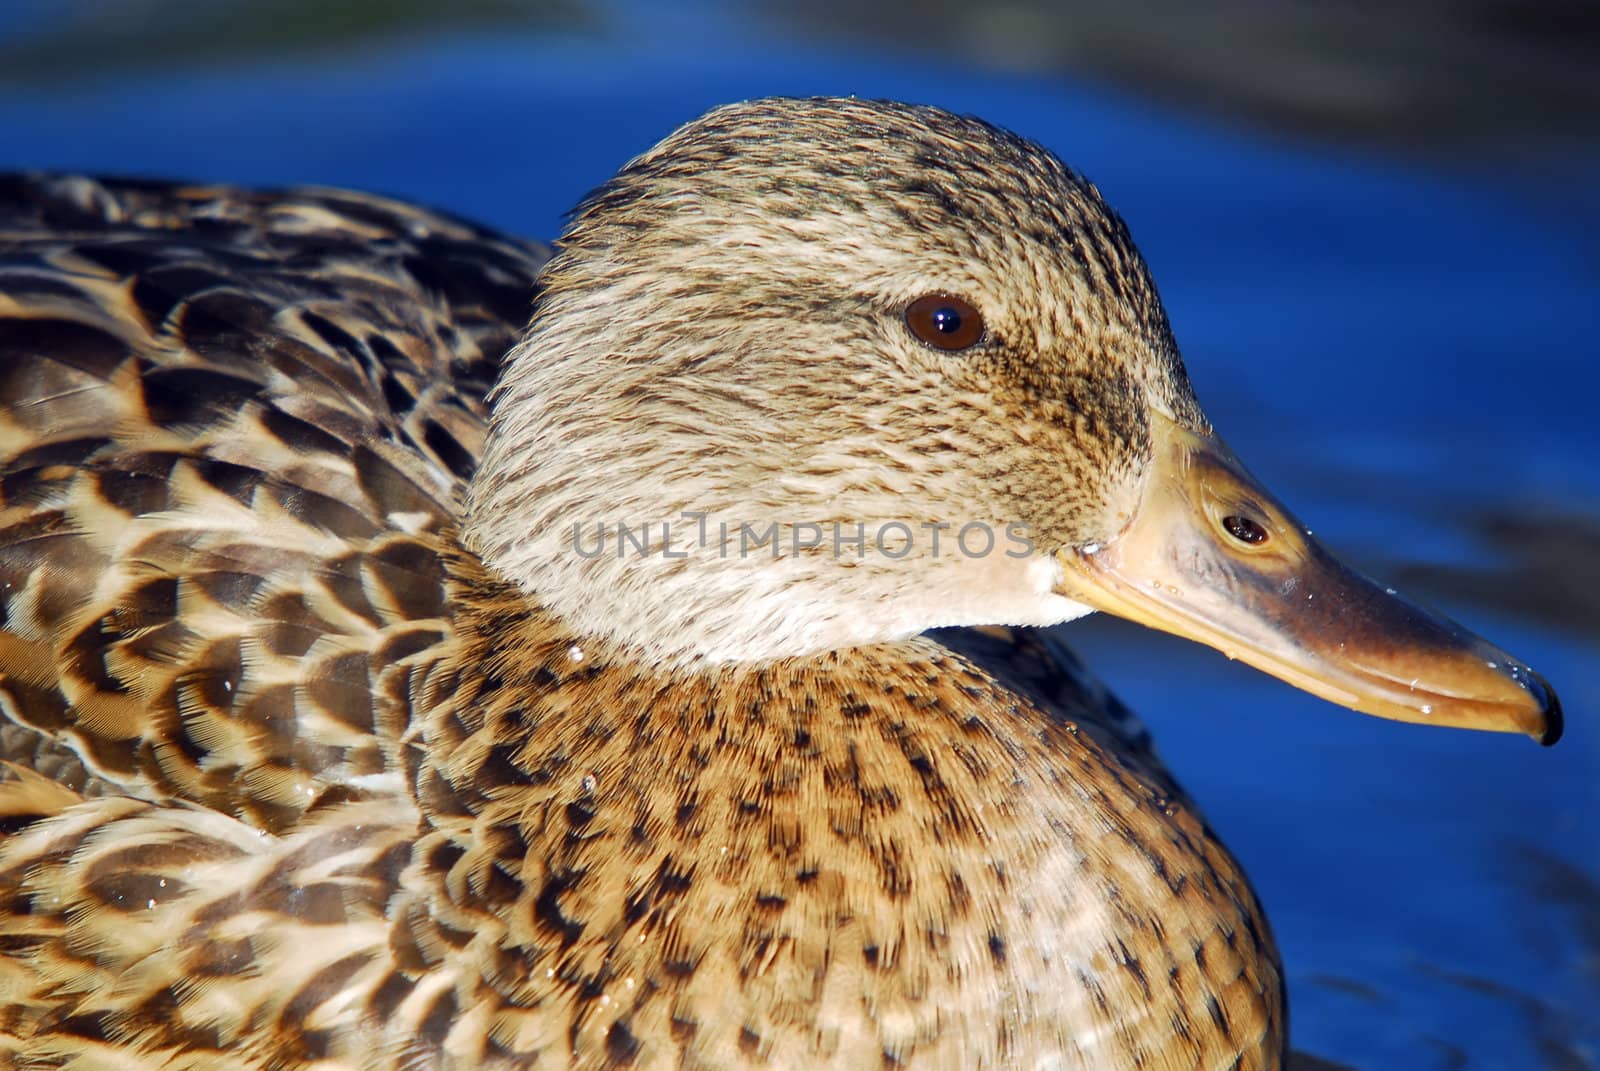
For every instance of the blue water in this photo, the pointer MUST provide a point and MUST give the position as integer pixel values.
(1396, 348)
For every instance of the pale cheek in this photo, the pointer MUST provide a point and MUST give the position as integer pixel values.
(1044, 577)
(997, 590)
(1045, 574)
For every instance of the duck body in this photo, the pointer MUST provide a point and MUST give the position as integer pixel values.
(324, 748)
(385, 811)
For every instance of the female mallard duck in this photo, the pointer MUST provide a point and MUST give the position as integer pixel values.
(355, 721)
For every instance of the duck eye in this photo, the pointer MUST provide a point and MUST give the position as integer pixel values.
(1245, 530)
(944, 322)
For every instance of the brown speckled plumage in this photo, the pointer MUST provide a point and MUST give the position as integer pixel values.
(228, 419)
(298, 781)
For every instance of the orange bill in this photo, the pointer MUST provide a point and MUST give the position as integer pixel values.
(1209, 554)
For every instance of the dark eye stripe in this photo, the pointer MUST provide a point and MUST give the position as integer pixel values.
(945, 322)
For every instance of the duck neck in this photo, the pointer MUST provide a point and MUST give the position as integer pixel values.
(883, 819)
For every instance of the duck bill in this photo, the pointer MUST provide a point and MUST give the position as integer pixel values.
(1210, 555)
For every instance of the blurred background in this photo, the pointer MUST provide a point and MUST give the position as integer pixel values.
(1377, 230)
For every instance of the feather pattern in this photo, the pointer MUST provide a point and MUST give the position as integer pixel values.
(294, 780)
(229, 419)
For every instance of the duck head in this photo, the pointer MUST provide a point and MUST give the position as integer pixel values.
(812, 374)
